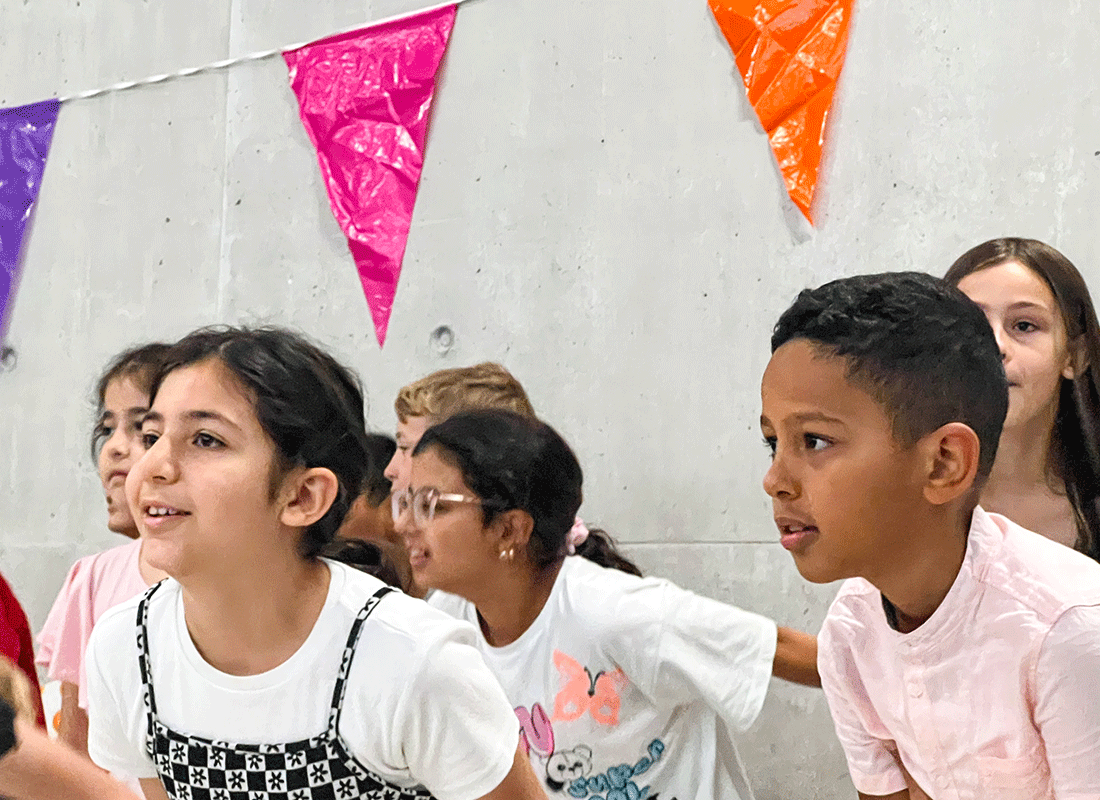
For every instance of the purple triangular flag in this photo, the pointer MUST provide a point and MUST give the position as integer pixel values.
(25, 134)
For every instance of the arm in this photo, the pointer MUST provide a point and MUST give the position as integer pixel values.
(519, 784)
(796, 657)
(1067, 705)
(39, 769)
(73, 729)
(153, 789)
(902, 795)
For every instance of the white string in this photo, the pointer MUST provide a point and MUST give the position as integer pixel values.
(259, 55)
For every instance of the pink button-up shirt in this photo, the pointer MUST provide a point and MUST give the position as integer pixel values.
(995, 697)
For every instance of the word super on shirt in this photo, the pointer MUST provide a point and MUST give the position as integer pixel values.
(630, 688)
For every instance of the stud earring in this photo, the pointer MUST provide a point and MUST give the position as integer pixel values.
(503, 555)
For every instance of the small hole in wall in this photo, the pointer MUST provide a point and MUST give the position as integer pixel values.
(442, 339)
(8, 359)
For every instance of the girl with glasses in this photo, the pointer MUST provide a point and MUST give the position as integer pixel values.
(260, 670)
(624, 687)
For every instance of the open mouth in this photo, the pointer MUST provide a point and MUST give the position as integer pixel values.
(795, 534)
(159, 514)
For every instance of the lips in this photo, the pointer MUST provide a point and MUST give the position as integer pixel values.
(158, 515)
(115, 475)
(418, 557)
(796, 534)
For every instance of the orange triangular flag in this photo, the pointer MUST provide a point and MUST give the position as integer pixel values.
(790, 53)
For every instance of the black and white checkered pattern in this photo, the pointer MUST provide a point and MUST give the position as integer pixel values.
(321, 768)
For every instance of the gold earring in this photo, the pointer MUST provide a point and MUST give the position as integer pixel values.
(511, 553)
(503, 555)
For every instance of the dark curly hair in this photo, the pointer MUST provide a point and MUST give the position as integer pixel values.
(916, 344)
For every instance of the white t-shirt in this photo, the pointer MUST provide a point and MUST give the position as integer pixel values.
(628, 687)
(420, 706)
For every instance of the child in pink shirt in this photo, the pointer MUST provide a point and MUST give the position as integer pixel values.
(962, 655)
(98, 582)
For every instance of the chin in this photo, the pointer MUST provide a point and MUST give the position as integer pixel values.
(816, 572)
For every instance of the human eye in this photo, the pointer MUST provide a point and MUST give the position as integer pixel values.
(769, 443)
(149, 438)
(815, 442)
(207, 441)
(103, 430)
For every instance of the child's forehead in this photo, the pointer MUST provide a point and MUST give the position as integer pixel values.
(806, 379)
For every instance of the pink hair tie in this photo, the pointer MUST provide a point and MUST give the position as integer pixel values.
(576, 536)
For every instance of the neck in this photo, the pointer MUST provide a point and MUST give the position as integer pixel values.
(510, 604)
(1023, 458)
(249, 622)
(929, 567)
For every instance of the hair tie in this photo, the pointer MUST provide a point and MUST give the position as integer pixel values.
(576, 536)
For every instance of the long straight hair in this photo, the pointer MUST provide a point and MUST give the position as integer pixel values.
(1074, 456)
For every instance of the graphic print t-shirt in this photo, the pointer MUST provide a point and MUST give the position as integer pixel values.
(627, 688)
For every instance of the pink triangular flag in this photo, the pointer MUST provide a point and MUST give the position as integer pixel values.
(364, 98)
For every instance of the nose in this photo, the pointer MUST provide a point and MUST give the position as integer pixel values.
(779, 483)
(158, 464)
(1002, 338)
(393, 470)
(117, 445)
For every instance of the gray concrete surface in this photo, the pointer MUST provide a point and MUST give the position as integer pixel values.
(599, 211)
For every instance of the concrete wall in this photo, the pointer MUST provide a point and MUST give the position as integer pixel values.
(599, 211)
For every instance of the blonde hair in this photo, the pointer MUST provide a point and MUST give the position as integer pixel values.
(450, 391)
(16, 690)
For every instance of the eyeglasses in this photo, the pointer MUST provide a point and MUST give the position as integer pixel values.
(423, 503)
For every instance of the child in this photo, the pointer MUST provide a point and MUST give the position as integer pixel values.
(437, 396)
(624, 687)
(260, 668)
(369, 516)
(31, 766)
(963, 648)
(16, 645)
(1047, 475)
(98, 582)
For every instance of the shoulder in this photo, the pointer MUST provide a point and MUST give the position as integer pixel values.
(1030, 570)
(103, 571)
(401, 630)
(852, 614)
(118, 625)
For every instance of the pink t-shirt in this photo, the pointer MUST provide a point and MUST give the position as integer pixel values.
(995, 696)
(94, 584)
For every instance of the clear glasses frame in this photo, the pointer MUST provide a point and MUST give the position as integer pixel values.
(422, 502)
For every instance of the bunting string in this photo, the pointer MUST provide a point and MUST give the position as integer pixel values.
(259, 55)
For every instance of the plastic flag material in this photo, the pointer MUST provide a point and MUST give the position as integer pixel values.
(25, 134)
(364, 98)
(790, 53)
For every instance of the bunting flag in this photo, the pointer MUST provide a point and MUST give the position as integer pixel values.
(25, 134)
(790, 53)
(364, 98)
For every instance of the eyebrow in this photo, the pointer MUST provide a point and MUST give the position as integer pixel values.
(806, 416)
(1018, 305)
(198, 415)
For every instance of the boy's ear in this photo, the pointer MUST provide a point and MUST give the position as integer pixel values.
(513, 529)
(952, 451)
(307, 496)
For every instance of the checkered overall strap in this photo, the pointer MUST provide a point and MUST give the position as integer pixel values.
(143, 665)
(345, 661)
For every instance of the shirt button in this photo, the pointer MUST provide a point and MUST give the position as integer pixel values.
(915, 689)
(942, 781)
